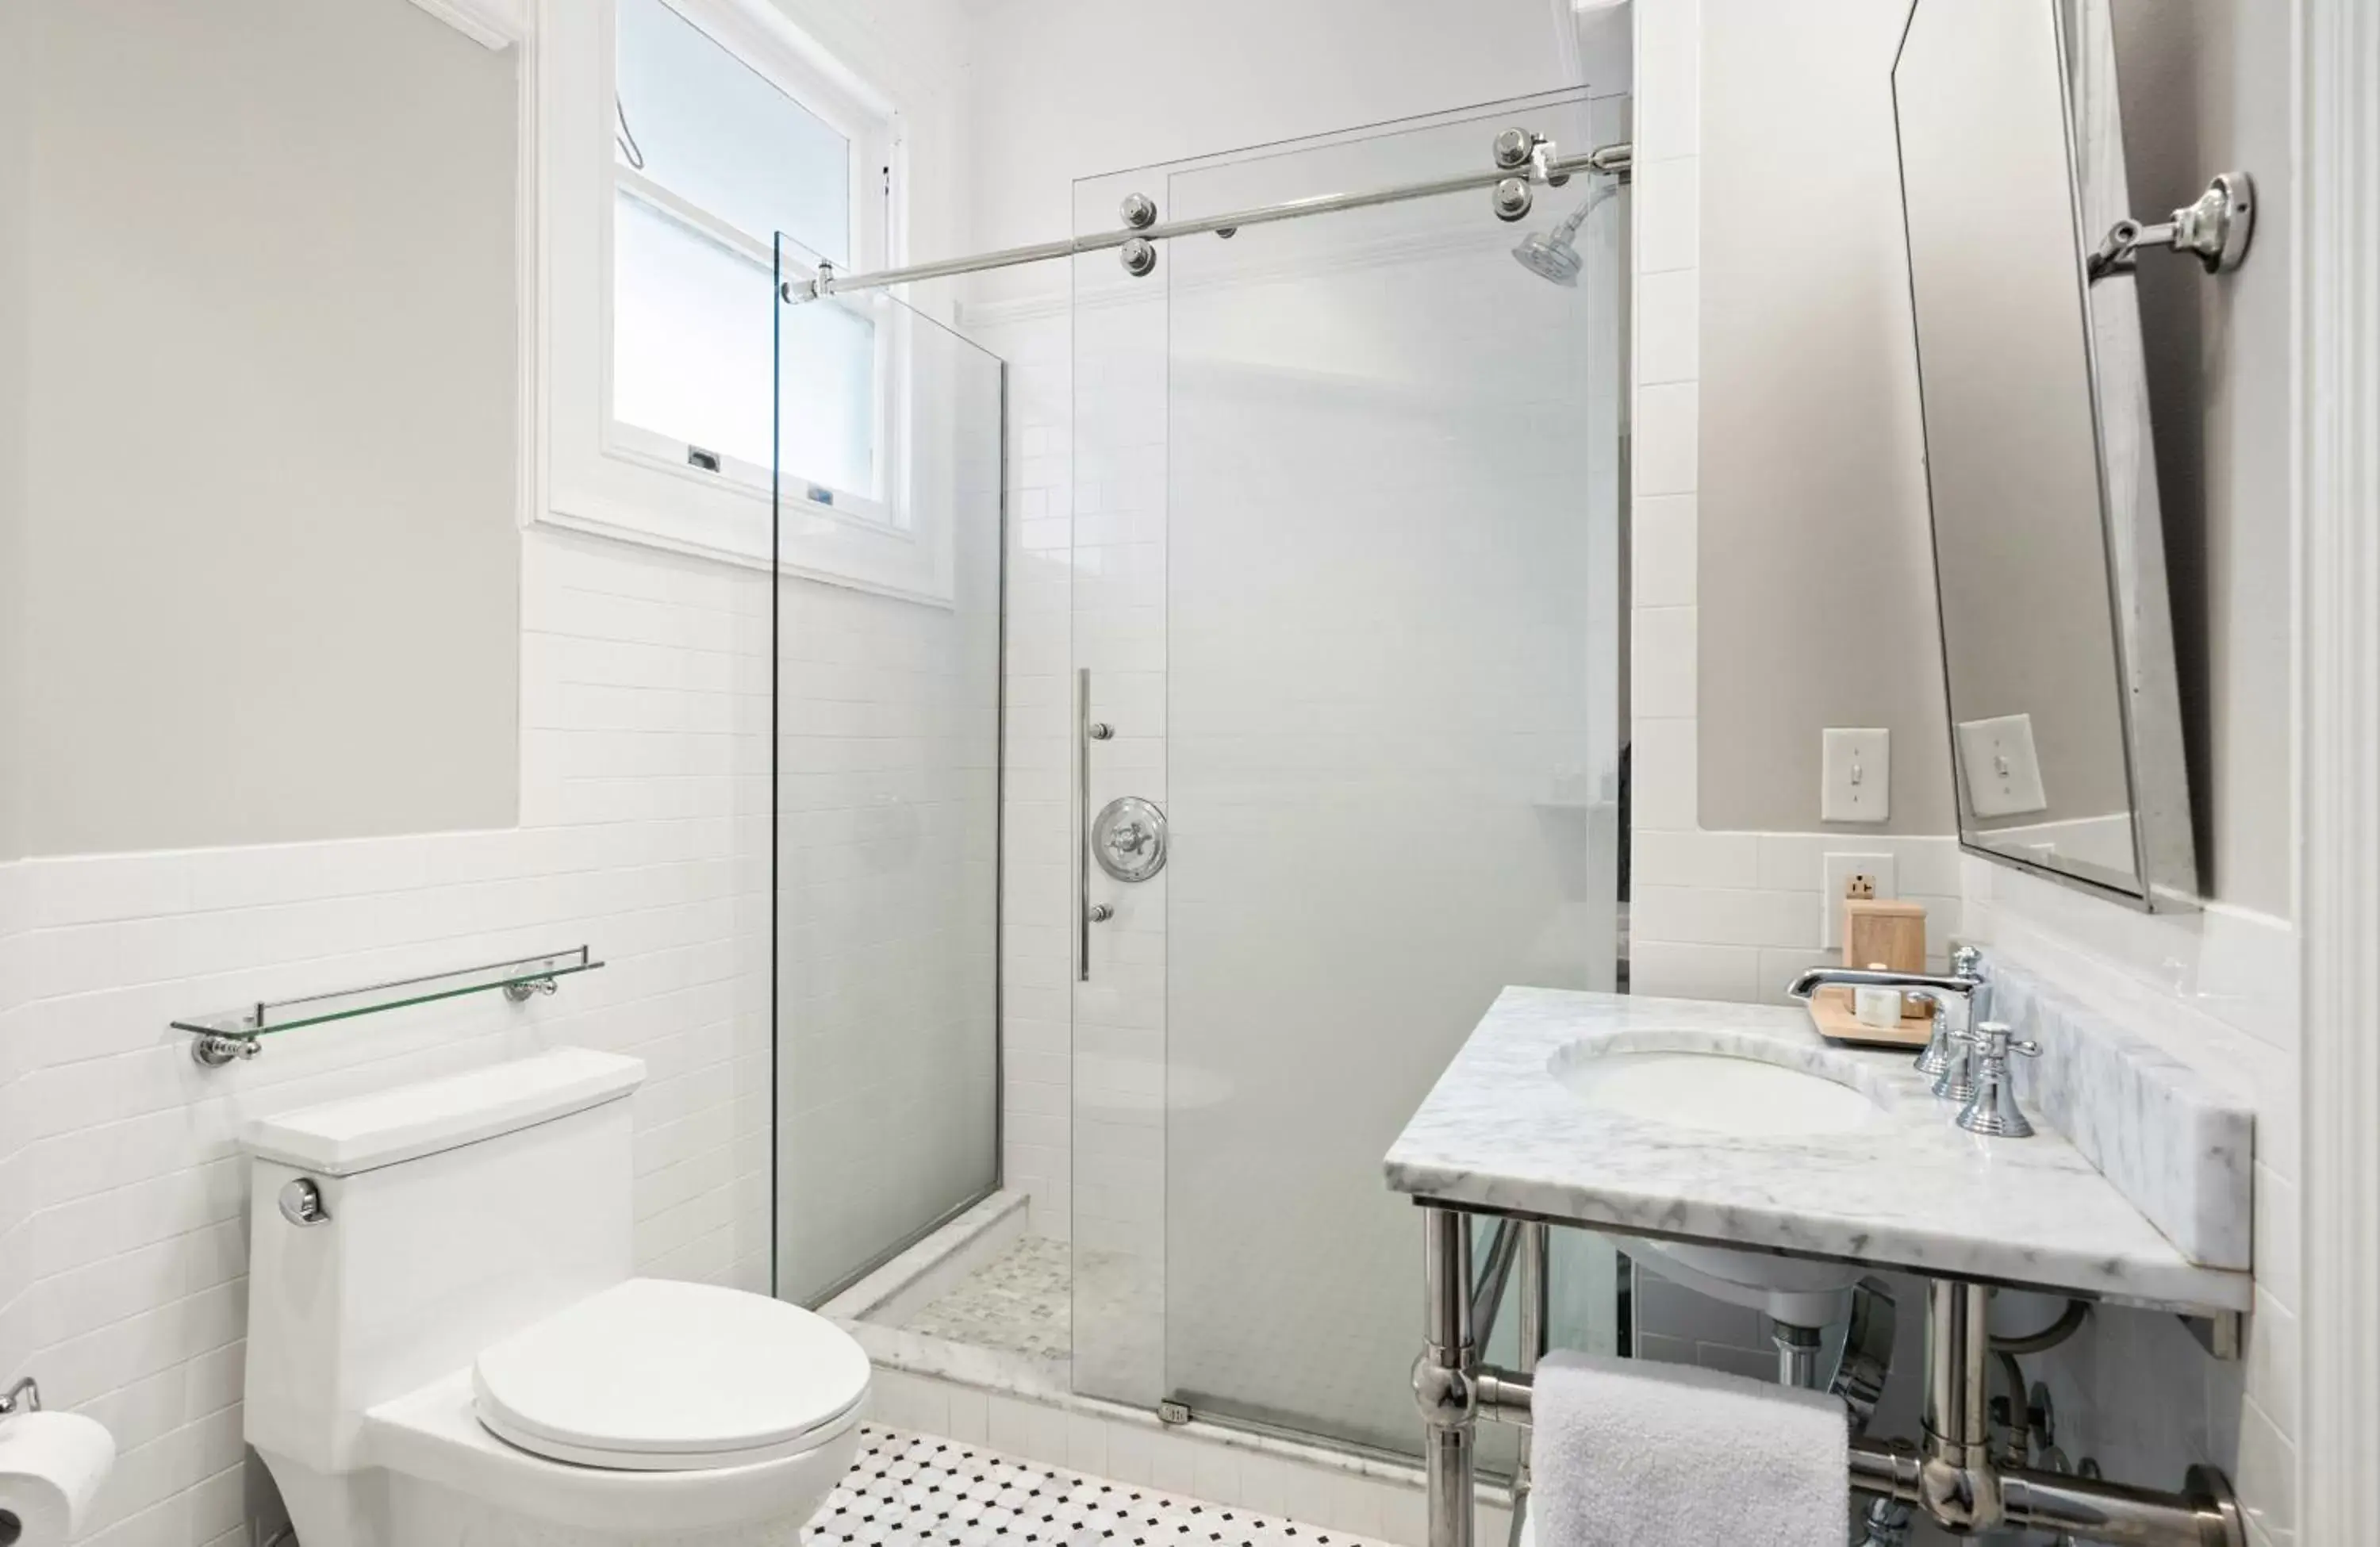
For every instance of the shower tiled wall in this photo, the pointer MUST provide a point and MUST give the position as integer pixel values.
(1036, 919)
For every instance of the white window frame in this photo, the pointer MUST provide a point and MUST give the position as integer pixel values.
(597, 474)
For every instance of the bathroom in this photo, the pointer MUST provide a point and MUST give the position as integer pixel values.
(648, 887)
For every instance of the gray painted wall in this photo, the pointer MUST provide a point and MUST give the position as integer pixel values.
(2206, 88)
(272, 561)
(14, 150)
(1817, 583)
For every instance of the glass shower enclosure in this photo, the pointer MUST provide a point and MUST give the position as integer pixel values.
(885, 618)
(1318, 576)
(1345, 565)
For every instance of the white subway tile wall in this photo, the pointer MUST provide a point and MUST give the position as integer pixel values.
(1037, 917)
(645, 726)
(16, 1163)
(2218, 988)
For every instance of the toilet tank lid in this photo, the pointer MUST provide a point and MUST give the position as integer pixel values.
(340, 1138)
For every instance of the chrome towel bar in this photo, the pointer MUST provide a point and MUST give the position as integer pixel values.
(1954, 1477)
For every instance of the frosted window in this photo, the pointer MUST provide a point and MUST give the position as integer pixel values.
(689, 336)
(690, 356)
(719, 136)
(828, 378)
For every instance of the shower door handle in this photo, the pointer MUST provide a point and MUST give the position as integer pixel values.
(1086, 912)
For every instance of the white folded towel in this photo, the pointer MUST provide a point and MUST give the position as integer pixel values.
(1628, 1452)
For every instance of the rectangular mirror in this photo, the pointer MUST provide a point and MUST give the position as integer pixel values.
(2049, 558)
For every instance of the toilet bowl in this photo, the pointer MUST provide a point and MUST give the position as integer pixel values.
(447, 1347)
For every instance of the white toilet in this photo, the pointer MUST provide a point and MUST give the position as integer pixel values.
(446, 1344)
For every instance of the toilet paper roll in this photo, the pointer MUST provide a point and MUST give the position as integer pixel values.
(51, 1467)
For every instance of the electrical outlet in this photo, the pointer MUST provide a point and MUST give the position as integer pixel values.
(1858, 775)
(2002, 769)
(1845, 875)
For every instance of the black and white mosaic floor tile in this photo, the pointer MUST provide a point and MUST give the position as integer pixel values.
(918, 1491)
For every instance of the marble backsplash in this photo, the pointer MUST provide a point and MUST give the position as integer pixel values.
(2180, 1149)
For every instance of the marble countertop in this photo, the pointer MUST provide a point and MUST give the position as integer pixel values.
(1911, 1191)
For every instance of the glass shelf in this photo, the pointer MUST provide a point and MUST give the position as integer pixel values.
(233, 1034)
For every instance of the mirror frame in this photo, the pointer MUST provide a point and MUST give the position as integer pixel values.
(2157, 773)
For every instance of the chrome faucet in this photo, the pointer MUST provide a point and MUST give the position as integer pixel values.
(1992, 1109)
(1949, 1051)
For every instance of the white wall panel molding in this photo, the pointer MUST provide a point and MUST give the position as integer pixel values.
(2336, 410)
(493, 24)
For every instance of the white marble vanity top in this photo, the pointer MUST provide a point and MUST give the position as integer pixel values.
(1908, 1189)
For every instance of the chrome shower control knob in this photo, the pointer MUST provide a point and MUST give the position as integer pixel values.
(1128, 838)
(1099, 913)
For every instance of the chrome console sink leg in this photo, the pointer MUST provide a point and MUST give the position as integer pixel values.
(1445, 1377)
(1957, 1481)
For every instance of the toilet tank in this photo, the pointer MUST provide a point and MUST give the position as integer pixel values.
(456, 1210)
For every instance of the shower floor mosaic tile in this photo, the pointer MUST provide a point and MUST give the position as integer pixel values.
(917, 1491)
(1019, 1302)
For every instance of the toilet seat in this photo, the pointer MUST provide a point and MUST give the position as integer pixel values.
(658, 1375)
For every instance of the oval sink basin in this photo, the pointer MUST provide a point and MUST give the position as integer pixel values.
(1714, 1093)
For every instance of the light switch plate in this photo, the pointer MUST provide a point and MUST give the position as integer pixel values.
(2002, 769)
(1857, 785)
(1834, 885)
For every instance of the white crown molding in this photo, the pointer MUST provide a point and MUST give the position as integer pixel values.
(496, 24)
(2337, 407)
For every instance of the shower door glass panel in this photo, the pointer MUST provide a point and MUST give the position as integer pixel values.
(887, 808)
(1366, 547)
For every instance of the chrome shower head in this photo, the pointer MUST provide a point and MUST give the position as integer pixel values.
(1550, 255)
(1550, 258)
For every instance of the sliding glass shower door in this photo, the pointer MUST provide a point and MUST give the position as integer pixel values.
(1346, 604)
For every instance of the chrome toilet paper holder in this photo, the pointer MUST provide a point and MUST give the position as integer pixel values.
(25, 1396)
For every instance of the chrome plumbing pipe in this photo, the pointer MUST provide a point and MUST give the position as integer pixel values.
(1952, 1475)
(1488, 1297)
(1534, 1327)
(2202, 1514)
(1957, 1481)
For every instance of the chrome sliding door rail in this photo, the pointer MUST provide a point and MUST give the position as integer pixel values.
(1611, 161)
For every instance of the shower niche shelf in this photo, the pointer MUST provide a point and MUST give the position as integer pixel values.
(232, 1035)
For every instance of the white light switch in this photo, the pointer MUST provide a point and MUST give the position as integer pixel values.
(2003, 770)
(1858, 776)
